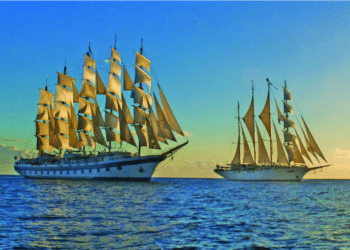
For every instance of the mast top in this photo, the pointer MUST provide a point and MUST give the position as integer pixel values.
(141, 49)
(65, 67)
(115, 41)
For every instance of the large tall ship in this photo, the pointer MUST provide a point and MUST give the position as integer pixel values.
(287, 161)
(118, 146)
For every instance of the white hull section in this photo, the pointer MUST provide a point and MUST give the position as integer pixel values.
(128, 168)
(265, 174)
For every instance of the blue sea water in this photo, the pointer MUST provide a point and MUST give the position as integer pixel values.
(174, 214)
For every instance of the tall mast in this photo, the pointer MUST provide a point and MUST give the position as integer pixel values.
(286, 113)
(269, 86)
(253, 116)
(239, 129)
(140, 106)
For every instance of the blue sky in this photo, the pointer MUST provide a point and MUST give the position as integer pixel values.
(204, 54)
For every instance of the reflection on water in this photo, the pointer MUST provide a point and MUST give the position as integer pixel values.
(173, 213)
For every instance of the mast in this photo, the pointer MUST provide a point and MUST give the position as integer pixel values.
(254, 143)
(140, 125)
(269, 114)
(286, 115)
(239, 128)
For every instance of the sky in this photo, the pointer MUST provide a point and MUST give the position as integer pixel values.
(205, 56)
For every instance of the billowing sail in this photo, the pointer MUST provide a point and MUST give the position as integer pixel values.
(279, 114)
(263, 156)
(125, 133)
(163, 122)
(115, 55)
(142, 61)
(308, 145)
(313, 143)
(297, 155)
(88, 90)
(249, 121)
(281, 155)
(168, 113)
(237, 157)
(247, 157)
(100, 86)
(265, 115)
(126, 111)
(142, 97)
(152, 139)
(287, 108)
(128, 84)
(302, 148)
(141, 76)
(287, 94)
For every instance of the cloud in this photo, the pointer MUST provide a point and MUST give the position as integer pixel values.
(7, 154)
(201, 164)
(342, 154)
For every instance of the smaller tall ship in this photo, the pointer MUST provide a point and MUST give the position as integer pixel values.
(279, 165)
(95, 147)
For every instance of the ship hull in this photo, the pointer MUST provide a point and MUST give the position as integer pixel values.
(124, 169)
(264, 174)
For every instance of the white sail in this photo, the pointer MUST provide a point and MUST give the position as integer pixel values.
(265, 115)
(152, 139)
(163, 122)
(46, 98)
(288, 137)
(89, 75)
(116, 68)
(287, 94)
(297, 155)
(313, 143)
(85, 124)
(63, 141)
(168, 113)
(288, 108)
(86, 107)
(43, 113)
(112, 121)
(142, 135)
(126, 111)
(279, 114)
(125, 133)
(142, 97)
(237, 158)
(288, 123)
(63, 94)
(88, 90)
(112, 102)
(115, 55)
(114, 85)
(42, 129)
(247, 156)
(302, 148)
(155, 126)
(142, 61)
(281, 155)
(100, 87)
(141, 76)
(86, 140)
(128, 83)
(308, 145)
(139, 116)
(112, 136)
(249, 122)
(263, 155)
(43, 144)
(65, 80)
(62, 111)
(62, 127)
(89, 62)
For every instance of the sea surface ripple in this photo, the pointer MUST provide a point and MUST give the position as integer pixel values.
(174, 214)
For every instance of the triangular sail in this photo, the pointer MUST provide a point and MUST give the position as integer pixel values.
(265, 115)
(302, 148)
(279, 114)
(308, 145)
(263, 155)
(163, 122)
(247, 157)
(169, 113)
(281, 155)
(100, 86)
(249, 122)
(313, 143)
(237, 157)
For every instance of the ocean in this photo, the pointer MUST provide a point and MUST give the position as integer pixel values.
(174, 214)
